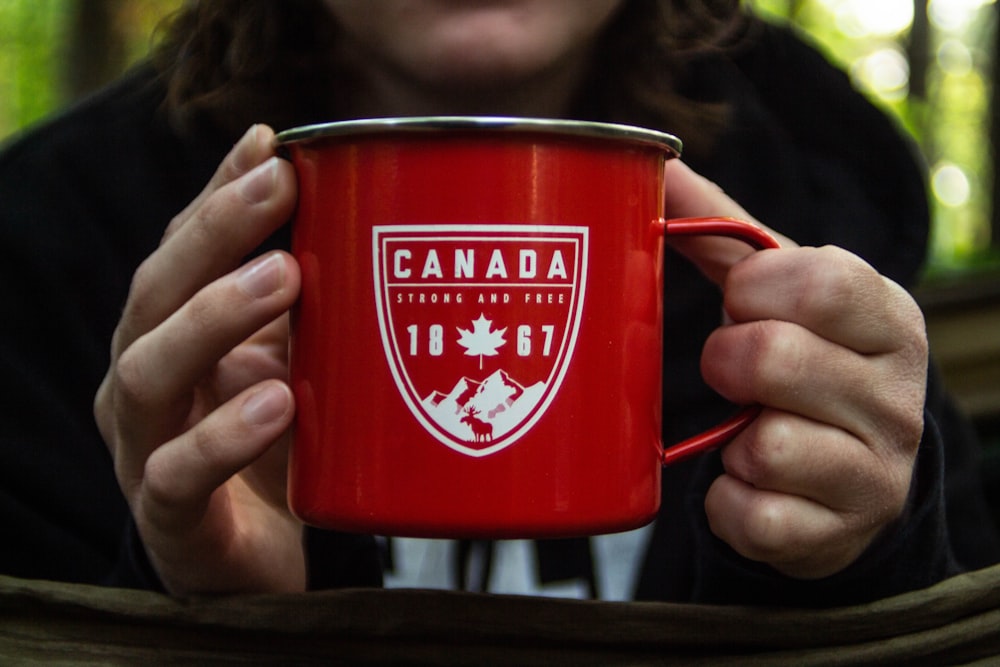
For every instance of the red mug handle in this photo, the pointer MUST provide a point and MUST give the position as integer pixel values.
(759, 239)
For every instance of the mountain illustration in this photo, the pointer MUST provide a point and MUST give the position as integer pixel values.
(494, 406)
(435, 397)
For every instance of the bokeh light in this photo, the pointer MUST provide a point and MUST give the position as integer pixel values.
(954, 58)
(953, 15)
(950, 185)
(884, 72)
(866, 18)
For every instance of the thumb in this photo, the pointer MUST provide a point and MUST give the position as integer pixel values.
(689, 195)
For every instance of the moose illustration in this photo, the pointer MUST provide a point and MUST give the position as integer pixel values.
(482, 431)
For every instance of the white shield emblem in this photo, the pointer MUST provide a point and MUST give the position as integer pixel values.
(479, 323)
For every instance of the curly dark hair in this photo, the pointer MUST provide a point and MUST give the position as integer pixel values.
(236, 62)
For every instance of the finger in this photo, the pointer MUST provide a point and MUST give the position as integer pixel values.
(268, 476)
(227, 226)
(797, 536)
(690, 195)
(263, 355)
(156, 375)
(787, 453)
(181, 477)
(785, 366)
(253, 148)
(831, 292)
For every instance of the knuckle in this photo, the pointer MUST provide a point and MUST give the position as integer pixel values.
(203, 446)
(914, 327)
(879, 496)
(215, 313)
(202, 312)
(907, 321)
(102, 409)
(899, 414)
(158, 484)
(905, 421)
(760, 450)
(825, 294)
(204, 228)
(174, 225)
(144, 286)
(749, 362)
(768, 531)
(206, 445)
(774, 361)
(162, 482)
(129, 374)
(133, 385)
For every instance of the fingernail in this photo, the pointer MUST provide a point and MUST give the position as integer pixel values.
(265, 405)
(242, 154)
(263, 277)
(257, 185)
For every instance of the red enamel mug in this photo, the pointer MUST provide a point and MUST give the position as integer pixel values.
(477, 347)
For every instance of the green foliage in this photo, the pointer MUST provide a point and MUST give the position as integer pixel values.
(32, 56)
(28, 63)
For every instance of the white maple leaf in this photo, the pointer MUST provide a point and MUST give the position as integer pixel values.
(483, 340)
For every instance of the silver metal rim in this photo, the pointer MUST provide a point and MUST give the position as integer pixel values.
(415, 124)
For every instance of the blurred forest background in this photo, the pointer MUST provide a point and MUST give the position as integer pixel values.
(928, 62)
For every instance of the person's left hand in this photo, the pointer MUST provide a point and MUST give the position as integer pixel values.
(837, 356)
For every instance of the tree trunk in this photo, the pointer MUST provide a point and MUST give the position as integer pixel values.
(918, 51)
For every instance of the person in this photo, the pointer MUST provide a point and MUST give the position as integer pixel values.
(147, 285)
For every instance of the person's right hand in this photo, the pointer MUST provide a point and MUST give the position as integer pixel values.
(195, 406)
